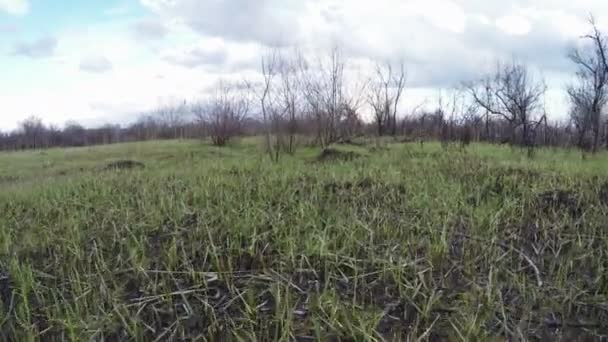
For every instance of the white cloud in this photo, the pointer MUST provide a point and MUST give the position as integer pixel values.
(118, 10)
(443, 14)
(16, 7)
(150, 29)
(95, 64)
(193, 57)
(214, 55)
(110, 41)
(8, 28)
(43, 47)
(514, 24)
(268, 21)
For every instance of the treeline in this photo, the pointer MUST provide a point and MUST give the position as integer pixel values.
(322, 100)
(421, 126)
(34, 134)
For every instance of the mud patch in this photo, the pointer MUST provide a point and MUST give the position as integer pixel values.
(124, 165)
(335, 187)
(351, 142)
(416, 154)
(603, 194)
(378, 149)
(560, 200)
(331, 154)
(8, 179)
(6, 291)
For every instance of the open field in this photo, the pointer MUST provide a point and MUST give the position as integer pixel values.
(396, 242)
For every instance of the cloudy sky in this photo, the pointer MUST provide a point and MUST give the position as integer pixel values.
(105, 61)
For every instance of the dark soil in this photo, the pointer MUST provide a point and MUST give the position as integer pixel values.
(124, 165)
(351, 142)
(330, 154)
(560, 200)
(8, 179)
(603, 194)
(363, 186)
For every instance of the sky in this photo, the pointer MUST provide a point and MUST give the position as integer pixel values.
(108, 61)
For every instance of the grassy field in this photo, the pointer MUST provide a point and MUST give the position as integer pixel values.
(395, 242)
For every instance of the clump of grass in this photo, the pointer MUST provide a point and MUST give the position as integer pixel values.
(411, 244)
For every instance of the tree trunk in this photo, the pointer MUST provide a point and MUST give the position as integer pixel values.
(606, 135)
(581, 137)
(487, 125)
(394, 124)
(596, 134)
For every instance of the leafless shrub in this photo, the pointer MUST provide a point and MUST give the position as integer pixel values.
(290, 97)
(270, 112)
(331, 101)
(280, 98)
(223, 113)
(75, 134)
(34, 133)
(170, 117)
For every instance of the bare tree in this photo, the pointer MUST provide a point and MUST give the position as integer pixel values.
(457, 117)
(171, 116)
(513, 94)
(34, 132)
(588, 96)
(290, 97)
(384, 95)
(326, 92)
(223, 113)
(271, 113)
(487, 93)
(74, 134)
(280, 100)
